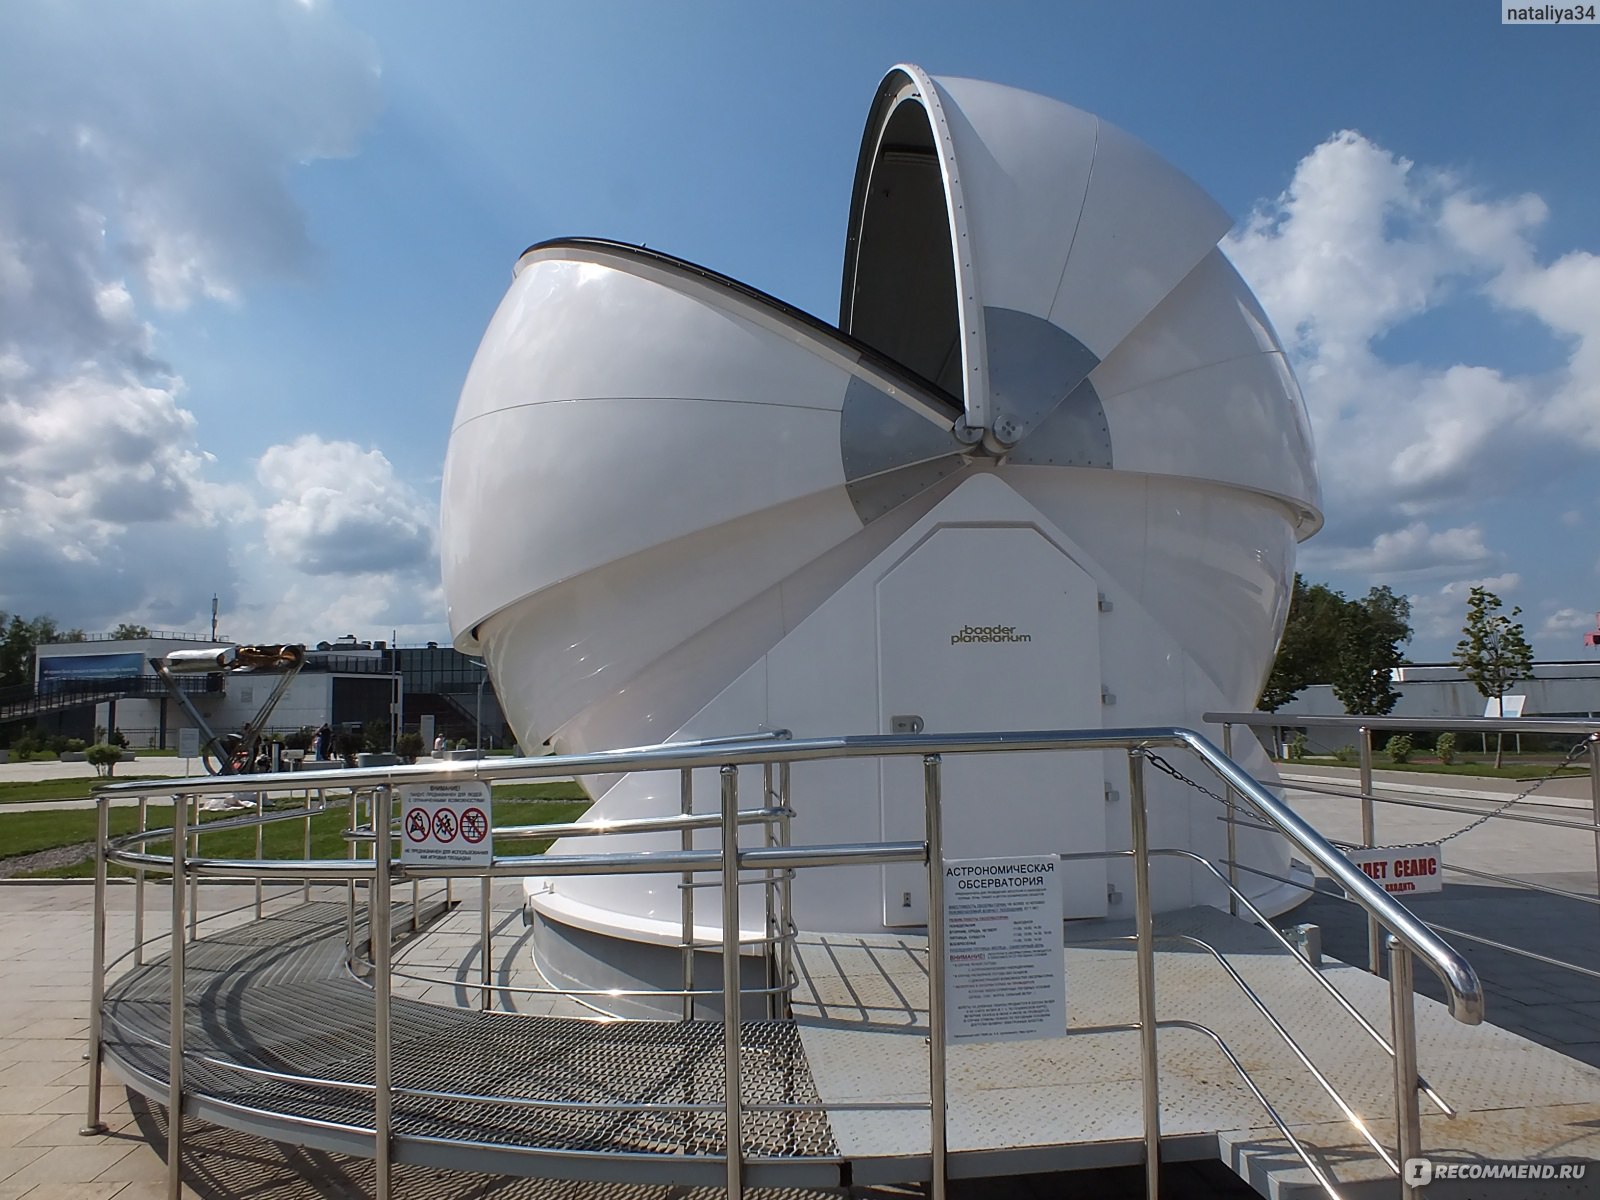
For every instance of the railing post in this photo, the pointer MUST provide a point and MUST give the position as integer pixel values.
(378, 933)
(486, 940)
(1369, 837)
(1145, 947)
(1402, 1016)
(731, 1082)
(261, 835)
(786, 900)
(769, 895)
(305, 893)
(180, 814)
(1594, 801)
(686, 892)
(138, 888)
(1233, 838)
(938, 1106)
(353, 849)
(194, 880)
(97, 983)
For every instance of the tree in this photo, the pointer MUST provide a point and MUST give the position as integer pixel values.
(1352, 644)
(1371, 632)
(103, 757)
(130, 633)
(1308, 649)
(17, 647)
(1493, 654)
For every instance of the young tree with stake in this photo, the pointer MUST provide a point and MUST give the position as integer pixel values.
(1494, 654)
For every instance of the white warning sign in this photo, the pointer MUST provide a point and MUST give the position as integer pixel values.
(1404, 870)
(446, 824)
(1005, 962)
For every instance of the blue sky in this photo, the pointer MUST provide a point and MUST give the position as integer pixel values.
(247, 250)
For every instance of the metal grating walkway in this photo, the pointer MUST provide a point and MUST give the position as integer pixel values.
(275, 996)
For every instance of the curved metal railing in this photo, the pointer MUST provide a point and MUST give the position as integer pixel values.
(1408, 938)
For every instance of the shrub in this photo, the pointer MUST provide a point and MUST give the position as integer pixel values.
(349, 744)
(25, 747)
(118, 739)
(299, 739)
(1399, 748)
(74, 745)
(1346, 754)
(1445, 746)
(103, 757)
(1297, 746)
(408, 746)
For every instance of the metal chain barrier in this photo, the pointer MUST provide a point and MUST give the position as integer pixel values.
(1576, 752)
(1166, 768)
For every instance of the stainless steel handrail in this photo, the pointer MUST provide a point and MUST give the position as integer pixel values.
(1586, 730)
(1463, 992)
(1408, 935)
(1577, 726)
(1300, 785)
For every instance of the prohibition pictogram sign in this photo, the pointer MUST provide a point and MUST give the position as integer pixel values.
(447, 824)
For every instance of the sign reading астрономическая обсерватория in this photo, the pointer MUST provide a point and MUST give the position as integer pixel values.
(1005, 961)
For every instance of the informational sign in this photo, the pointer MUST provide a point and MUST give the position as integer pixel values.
(188, 743)
(1408, 871)
(1005, 964)
(445, 824)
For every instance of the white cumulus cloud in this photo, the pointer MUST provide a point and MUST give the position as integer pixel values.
(1414, 550)
(145, 164)
(1361, 243)
(340, 510)
(1566, 621)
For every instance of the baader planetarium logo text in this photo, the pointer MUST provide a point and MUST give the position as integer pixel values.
(989, 633)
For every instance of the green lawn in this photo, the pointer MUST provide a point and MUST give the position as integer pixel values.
(56, 789)
(27, 832)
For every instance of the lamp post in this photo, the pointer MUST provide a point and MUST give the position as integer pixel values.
(477, 728)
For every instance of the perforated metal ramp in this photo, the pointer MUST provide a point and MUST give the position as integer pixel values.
(275, 996)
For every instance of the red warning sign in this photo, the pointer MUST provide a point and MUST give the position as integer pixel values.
(474, 825)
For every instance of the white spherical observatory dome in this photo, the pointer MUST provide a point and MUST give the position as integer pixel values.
(675, 507)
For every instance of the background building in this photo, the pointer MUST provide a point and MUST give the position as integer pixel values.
(101, 684)
(1556, 689)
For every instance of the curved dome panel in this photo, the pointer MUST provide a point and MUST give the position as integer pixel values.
(626, 412)
(1064, 280)
(677, 507)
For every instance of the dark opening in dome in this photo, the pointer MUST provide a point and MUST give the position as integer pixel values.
(899, 292)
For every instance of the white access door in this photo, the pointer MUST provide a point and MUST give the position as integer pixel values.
(983, 629)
